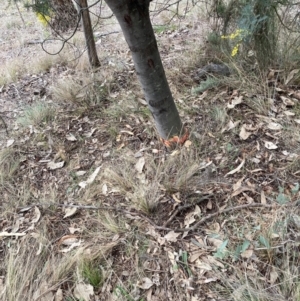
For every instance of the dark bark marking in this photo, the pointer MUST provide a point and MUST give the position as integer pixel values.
(149, 49)
(128, 20)
(151, 63)
(141, 6)
(133, 48)
(161, 111)
(157, 103)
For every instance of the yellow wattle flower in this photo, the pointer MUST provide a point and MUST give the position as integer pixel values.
(235, 50)
(43, 18)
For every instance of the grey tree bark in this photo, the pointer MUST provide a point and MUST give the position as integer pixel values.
(88, 34)
(134, 19)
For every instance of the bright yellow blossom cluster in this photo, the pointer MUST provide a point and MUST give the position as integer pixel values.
(43, 18)
(235, 50)
(234, 35)
(237, 35)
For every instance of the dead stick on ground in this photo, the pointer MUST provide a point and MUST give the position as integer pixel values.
(5, 125)
(89, 207)
(183, 207)
(200, 222)
(206, 218)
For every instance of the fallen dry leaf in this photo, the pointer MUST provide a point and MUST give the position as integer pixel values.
(70, 211)
(203, 265)
(289, 113)
(230, 125)
(43, 293)
(287, 101)
(142, 101)
(146, 283)
(176, 197)
(68, 240)
(175, 152)
(121, 146)
(139, 166)
(195, 255)
(207, 280)
(83, 291)
(244, 134)
(6, 234)
(127, 132)
(80, 173)
(236, 169)
(37, 215)
(238, 184)
(291, 76)
(171, 236)
(71, 247)
(59, 295)
(55, 165)
(273, 276)
(10, 142)
(213, 261)
(274, 126)
(235, 101)
(190, 217)
(187, 143)
(209, 205)
(71, 137)
(263, 197)
(90, 179)
(104, 189)
(171, 256)
(74, 230)
(215, 242)
(270, 145)
(90, 134)
(247, 253)
(242, 189)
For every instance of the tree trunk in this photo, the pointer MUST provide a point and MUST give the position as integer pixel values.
(88, 34)
(134, 19)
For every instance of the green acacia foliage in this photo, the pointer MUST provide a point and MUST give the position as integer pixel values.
(257, 20)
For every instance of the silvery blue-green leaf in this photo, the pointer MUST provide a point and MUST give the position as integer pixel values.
(295, 189)
(245, 246)
(282, 198)
(221, 252)
(264, 241)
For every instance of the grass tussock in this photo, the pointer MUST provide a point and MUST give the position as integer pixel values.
(179, 172)
(34, 269)
(12, 71)
(37, 115)
(9, 164)
(82, 91)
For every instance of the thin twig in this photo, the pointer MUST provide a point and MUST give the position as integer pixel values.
(5, 125)
(89, 207)
(204, 219)
(20, 14)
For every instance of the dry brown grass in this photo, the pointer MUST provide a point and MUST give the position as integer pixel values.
(113, 240)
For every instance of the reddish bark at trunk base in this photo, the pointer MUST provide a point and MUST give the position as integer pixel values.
(176, 140)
